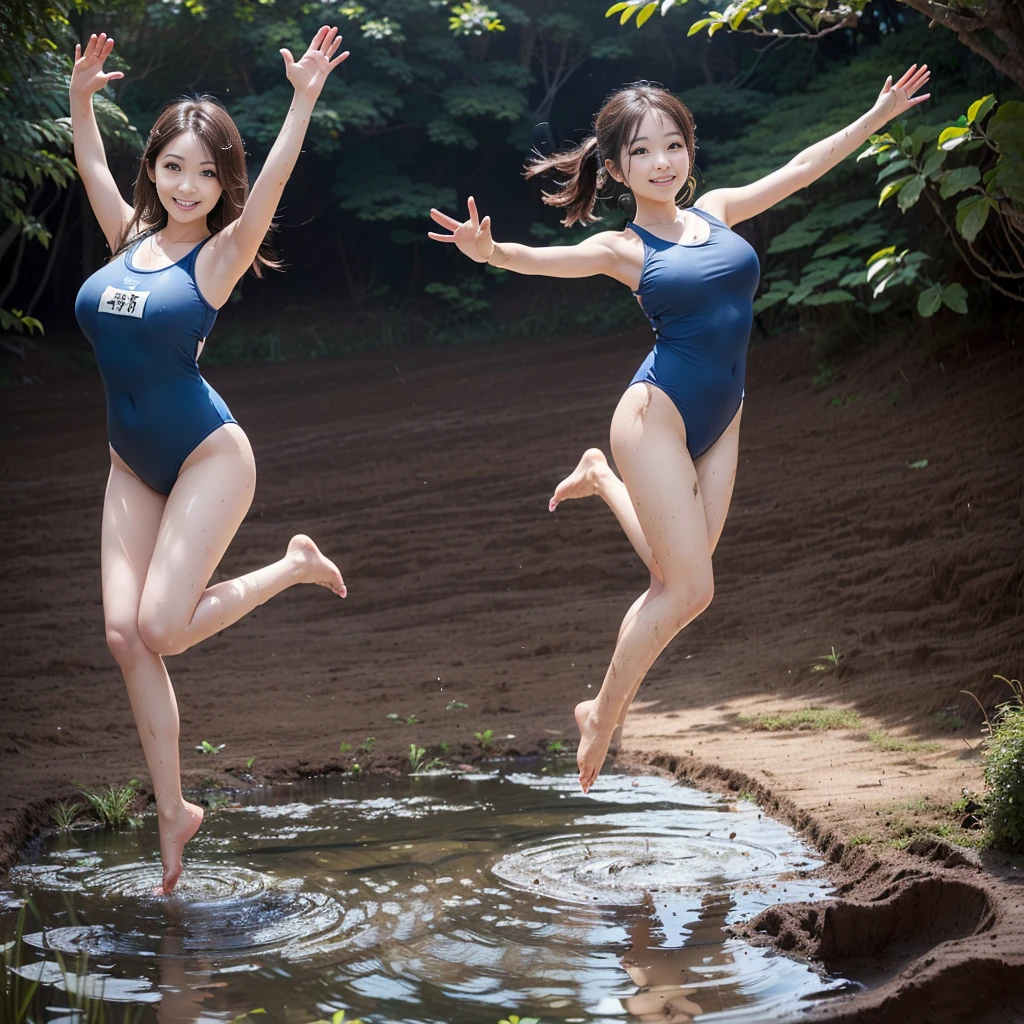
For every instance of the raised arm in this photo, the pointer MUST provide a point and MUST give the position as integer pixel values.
(238, 243)
(87, 78)
(598, 254)
(733, 205)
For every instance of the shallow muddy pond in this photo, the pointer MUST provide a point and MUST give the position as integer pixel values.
(429, 900)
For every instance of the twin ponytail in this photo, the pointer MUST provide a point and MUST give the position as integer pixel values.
(582, 168)
(584, 173)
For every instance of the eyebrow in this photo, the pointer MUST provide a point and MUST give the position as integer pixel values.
(643, 138)
(201, 163)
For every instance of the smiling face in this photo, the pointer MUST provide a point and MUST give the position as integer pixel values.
(655, 163)
(185, 176)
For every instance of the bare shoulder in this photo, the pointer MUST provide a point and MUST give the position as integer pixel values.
(716, 202)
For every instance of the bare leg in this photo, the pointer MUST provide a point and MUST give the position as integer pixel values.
(716, 476)
(206, 506)
(648, 440)
(131, 519)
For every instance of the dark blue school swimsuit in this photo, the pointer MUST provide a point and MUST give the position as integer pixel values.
(145, 327)
(700, 301)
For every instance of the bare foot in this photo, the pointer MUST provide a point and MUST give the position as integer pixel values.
(313, 567)
(583, 480)
(593, 745)
(176, 829)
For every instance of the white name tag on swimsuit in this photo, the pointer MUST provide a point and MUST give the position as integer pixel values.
(122, 303)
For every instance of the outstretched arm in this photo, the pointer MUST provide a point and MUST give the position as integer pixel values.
(87, 78)
(239, 242)
(594, 255)
(732, 205)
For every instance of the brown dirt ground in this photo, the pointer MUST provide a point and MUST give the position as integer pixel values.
(426, 474)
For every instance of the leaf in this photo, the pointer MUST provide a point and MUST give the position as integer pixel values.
(893, 187)
(958, 179)
(887, 251)
(911, 193)
(933, 162)
(627, 13)
(829, 297)
(929, 301)
(643, 16)
(615, 8)
(1006, 129)
(971, 214)
(950, 138)
(920, 464)
(955, 296)
(891, 169)
(979, 108)
(698, 25)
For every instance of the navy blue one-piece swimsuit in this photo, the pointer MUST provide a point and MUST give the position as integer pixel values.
(700, 301)
(145, 327)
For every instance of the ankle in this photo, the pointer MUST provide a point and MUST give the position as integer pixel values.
(170, 810)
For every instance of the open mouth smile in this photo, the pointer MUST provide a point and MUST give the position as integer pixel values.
(183, 205)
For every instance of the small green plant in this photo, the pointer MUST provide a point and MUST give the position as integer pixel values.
(113, 804)
(455, 705)
(367, 745)
(884, 741)
(485, 738)
(1004, 771)
(857, 841)
(845, 400)
(205, 747)
(555, 746)
(215, 801)
(918, 464)
(344, 748)
(66, 814)
(949, 720)
(817, 719)
(411, 720)
(826, 375)
(416, 756)
(826, 662)
(355, 768)
(515, 1019)
(251, 761)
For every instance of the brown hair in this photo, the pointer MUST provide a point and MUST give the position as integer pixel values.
(205, 118)
(615, 126)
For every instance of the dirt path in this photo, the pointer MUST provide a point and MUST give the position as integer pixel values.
(426, 476)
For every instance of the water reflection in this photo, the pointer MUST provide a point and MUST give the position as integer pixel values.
(437, 901)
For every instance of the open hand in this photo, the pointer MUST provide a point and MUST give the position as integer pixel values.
(893, 100)
(310, 71)
(88, 76)
(473, 236)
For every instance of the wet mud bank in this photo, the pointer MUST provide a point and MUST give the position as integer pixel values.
(933, 932)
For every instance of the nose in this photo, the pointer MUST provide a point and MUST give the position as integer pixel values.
(187, 186)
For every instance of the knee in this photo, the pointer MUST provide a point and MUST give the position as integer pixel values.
(687, 602)
(159, 635)
(126, 643)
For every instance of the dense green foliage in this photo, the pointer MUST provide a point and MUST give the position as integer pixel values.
(438, 101)
(1004, 774)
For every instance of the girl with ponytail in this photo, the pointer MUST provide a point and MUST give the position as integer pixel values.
(675, 431)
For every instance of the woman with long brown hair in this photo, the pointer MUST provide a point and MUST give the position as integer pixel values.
(182, 474)
(675, 432)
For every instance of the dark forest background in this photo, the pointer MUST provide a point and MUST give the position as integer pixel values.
(924, 237)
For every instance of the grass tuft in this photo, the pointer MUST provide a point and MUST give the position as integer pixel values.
(113, 805)
(815, 719)
(884, 741)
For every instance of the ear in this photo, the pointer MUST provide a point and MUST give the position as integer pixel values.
(151, 173)
(609, 166)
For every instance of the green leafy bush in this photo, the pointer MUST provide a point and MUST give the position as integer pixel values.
(1004, 774)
